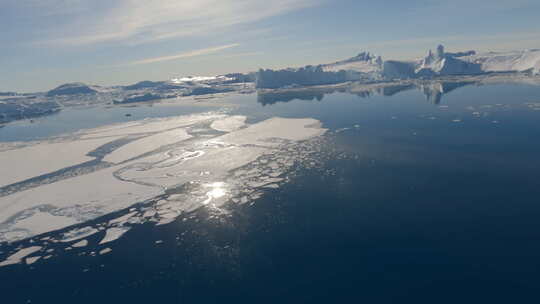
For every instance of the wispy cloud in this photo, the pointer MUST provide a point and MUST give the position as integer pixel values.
(77, 22)
(195, 53)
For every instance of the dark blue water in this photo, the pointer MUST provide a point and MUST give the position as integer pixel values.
(424, 203)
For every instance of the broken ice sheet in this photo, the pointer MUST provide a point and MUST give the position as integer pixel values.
(209, 161)
(229, 124)
(78, 234)
(18, 256)
(36, 160)
(113, 234)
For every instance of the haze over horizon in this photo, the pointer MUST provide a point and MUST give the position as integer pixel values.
(50, 42)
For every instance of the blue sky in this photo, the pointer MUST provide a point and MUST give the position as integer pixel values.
(49, 42)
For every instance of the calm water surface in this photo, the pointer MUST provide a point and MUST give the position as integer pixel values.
(414, 202)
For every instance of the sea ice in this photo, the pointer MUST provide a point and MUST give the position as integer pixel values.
(82, 243)
(264, 133)
(229, 124)
(73, 198)
(78, 234)
(32, 260)
(146, 144)
(18, 256)
(149, 126)
(105, 251)
(43, 221)
(200, 161)
(40, 159)
(113, 234)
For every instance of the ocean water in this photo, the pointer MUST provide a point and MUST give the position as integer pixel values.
(411, 200)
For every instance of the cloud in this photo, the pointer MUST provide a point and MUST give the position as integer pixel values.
(189, 54)
(77, 22)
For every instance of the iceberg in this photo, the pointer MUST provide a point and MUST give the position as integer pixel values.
(514, 61)
(306, 76)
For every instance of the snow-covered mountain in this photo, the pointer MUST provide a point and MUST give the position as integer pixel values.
(75, 88)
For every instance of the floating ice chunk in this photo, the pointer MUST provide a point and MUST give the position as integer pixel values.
(146, 144)
(17, 257)
(80, 244)
(229, 124)
(265, 182)
(32, 260)
(105, 251)
(122, 219)
(113, 234)
(40, 159)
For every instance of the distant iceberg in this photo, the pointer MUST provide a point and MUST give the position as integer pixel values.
(514, 61)
(306, 76)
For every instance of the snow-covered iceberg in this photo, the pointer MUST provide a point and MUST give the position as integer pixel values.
(441, 64)
(438, 63)
(363, 63)
(306, 76)
(514, 61)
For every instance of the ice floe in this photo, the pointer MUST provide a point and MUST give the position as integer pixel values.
(105, 251)
(72, 198)
(32, 260)
(146, 144)
(18, 256)
(149, 126)
(79, 244)
(24, 163)
(113, 234)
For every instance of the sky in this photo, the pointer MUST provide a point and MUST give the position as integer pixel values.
(45, 43)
